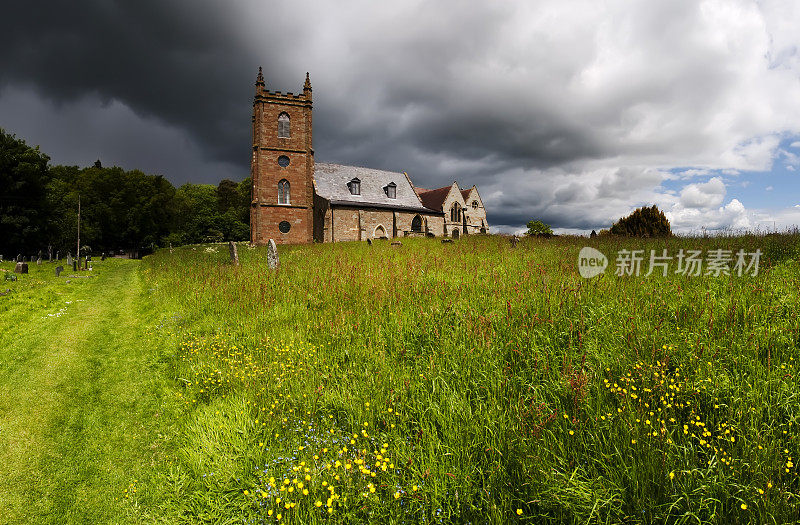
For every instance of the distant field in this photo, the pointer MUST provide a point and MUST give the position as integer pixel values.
(463, 382)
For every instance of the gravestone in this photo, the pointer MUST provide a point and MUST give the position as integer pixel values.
(369, 241)
(49, 253)
(59, 269)
(514, 241)
(58, 256)
(19, 258)
(1, 258)
(69, 259)
(170, 247)
(234, 253)
(74, 265)
(397, 243)
(103, 257)
(39, 261)
(447, 241)
(86, 263)
(40, 255)
(21, 267)
(593, 234)
(272, 255)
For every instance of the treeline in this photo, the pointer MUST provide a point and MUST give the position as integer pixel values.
(120, 210)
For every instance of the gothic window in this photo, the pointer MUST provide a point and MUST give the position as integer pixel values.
(283, 126)
(390, 190)
(455, 213)
(283, 192)
(474, 205)
(354, 186)
(416, 224)
(380, 232)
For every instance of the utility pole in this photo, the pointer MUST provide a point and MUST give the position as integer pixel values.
(78, 252)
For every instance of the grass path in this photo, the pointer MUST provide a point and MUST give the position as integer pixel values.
(82, 405)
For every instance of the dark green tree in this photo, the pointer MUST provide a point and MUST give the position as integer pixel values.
(644, 222)
(24, 213)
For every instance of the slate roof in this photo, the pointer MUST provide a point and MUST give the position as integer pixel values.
(330, 182)
(434, 199)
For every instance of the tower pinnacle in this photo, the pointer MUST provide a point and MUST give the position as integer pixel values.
(259, 79)
(307, 85)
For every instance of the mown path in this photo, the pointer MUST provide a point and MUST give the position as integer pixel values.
(82, 402)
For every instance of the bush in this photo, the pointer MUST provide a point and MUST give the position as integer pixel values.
(538, 229)
(644, 222)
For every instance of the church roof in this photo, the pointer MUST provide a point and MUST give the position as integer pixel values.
(330, 182)
(434, 199)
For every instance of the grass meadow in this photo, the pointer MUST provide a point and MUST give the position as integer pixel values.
(469, 382)
(474, 382)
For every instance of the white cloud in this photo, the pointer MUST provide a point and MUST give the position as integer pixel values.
(769, 188)
(706, 195)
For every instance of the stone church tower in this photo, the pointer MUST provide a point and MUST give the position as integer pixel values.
(282, 166)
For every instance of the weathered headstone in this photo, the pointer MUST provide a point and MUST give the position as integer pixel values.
(86, 263)
(397, 243)
(514, 241)
(272, 255)
(59, 269)
(58, 256)
(369, 241)
(593, 234)
(21, 267)
(49, 253)
(446, 240)
(39, 261)
(19, 258)
(103, 257)
(74, 265)
(170, 247)
(1, 257)
(69, 259)
(234, 253)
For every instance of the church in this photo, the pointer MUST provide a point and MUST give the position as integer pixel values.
(296, 200)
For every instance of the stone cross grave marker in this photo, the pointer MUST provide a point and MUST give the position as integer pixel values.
(272, 255)
(59, 269)
(234, 253)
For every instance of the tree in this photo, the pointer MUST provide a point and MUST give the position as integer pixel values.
(644, 222)
(23, 211)
(538, 229)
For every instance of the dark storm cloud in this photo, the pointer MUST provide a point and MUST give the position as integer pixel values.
(176, 62)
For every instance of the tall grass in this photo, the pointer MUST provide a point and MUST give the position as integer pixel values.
(483, 383)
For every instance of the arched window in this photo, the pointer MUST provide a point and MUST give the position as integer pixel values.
(455, 213)
(283, 192)
(416, 224)
(380, 232)
(283, 126)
